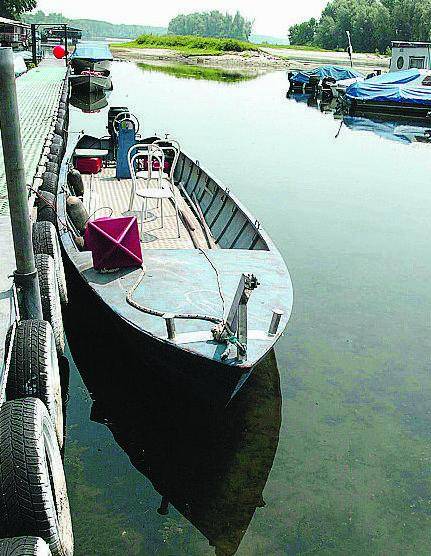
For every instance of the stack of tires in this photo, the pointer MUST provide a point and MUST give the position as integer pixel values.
(34, 509)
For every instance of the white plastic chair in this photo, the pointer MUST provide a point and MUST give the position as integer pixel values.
(157, 184)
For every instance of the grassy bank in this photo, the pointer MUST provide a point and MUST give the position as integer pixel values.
(190, 45)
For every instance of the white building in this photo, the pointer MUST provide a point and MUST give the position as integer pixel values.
(406, 55)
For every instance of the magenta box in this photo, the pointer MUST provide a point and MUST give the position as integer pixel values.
(114, 242)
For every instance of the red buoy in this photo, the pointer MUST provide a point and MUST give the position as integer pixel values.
(59, 51)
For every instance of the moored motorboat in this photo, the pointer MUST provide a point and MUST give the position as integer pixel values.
(401, 93)
(212, 292)
(89, 82)
(91, 56)
(308, 81)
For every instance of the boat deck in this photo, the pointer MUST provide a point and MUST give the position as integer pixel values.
(104, 193)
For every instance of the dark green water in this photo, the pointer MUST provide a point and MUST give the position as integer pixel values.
(347, 409)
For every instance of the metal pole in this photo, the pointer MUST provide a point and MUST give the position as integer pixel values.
(65, 42)
(25, 274)
(33, 44)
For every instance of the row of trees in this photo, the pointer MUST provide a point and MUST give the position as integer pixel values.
(12, 9)
(211, 24)
(372, 23)
(92, 29)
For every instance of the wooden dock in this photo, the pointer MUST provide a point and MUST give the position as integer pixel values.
(38, 96)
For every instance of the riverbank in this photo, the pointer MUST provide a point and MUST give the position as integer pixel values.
(265, 58)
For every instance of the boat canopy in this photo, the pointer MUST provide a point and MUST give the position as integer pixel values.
(411, 86)
(336, 72)
(92, 51)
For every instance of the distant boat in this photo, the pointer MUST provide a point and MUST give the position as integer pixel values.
(308, 81)
(402, 93)
(91, 56)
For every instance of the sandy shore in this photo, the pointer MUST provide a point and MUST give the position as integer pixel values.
(265, 59)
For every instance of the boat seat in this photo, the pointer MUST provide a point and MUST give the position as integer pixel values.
(157, 192)
(144, 174)
(91, 153)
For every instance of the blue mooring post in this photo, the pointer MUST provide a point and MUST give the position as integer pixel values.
(25, 275)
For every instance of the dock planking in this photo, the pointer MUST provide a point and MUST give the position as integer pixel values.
(38, 94)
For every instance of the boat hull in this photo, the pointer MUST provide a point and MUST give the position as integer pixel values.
(82, 64)
(202, 380)
(409, 110)
(88, 84)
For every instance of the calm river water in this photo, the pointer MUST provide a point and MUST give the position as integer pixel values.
(327, 450)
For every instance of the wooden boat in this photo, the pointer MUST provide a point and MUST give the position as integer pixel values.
(91, 56)
(204, 279)
(90, 82)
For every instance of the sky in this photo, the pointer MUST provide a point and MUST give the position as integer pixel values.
(272, 17)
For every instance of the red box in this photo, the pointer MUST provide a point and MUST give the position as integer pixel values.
(88, 165)
(114, 242)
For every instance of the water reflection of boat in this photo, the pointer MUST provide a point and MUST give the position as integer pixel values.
(212, 469)
(402, 132)
(92, 102)
(89, 82)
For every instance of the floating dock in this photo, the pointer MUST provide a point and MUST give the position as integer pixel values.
(38, 94)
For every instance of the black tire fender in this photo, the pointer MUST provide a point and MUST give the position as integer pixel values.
(33, 492)
(50, 182)
(45, 210)
(45, 240)
(51, 167)
(50, 296)
(34, 371)
(24, 546)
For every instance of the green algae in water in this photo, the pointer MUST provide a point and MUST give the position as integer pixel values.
(186, 71)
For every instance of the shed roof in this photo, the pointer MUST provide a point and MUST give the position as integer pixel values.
(12, 22)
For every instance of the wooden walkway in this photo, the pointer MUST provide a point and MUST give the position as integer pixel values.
(38, 96)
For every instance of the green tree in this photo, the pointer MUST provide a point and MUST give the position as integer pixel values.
(371, 23)
(303, 33)
(12, 9)
(211, 24)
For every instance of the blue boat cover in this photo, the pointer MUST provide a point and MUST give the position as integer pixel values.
(337, 72)
(404, 87)
(92, 51)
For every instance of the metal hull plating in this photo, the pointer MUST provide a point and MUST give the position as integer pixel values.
(88, 84)
(81, 64)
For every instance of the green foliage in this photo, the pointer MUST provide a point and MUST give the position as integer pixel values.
(92, 29)
(303, 33)
(211, 24)
(372, 23)
(12, 9)
(191, 44)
